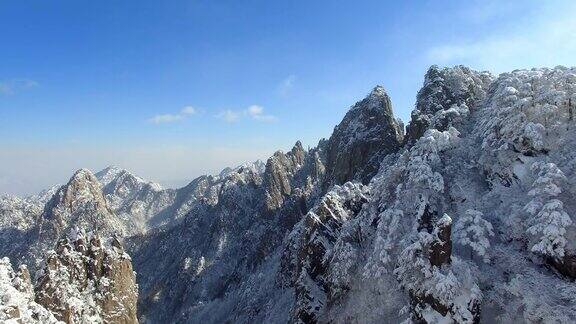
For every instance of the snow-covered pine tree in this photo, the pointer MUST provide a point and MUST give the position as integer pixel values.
(414, 200)
(473, 230)
(548, 220)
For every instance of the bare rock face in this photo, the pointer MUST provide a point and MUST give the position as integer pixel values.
(82, 189)
(566, 265)
(368, 132)
(439, 254)
(306, 259)
(441, 248)
(84, 280)
(447, 97)
(280, 170)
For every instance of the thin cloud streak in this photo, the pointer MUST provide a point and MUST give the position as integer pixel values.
(229, 116)
(286, 85)
(10, 87)
(171, 118)
(254, 112)
(167, 118)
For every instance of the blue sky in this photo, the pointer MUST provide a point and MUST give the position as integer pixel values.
(175, 89)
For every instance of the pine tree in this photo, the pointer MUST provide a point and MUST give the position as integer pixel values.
(473, 230)
(548, 220)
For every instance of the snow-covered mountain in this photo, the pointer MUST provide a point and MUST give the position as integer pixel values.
(133, 199)
(242, 233)
(18, 217)
(467, 217)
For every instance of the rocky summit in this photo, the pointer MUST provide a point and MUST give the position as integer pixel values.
(368, 132)
(466, 215)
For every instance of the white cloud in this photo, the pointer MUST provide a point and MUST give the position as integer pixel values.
(542, 38)
(10, 87)
(254, 112)
(286, 85)
(229, 116)
(167, 118)
(257, 113)
(265, 118)
(171, 118)
(189, 110)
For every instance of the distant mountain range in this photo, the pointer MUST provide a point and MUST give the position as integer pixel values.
(465, 215)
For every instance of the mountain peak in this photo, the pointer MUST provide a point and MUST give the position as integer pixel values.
(84, 173)
(79, 202)
(83, 179)
(458, 88)
(368, 129)
(111, 169)
(298, 150)
(377, 100)
(108, 174)
(378, 91)
(82, 186)
(298, 144)
(117, 174)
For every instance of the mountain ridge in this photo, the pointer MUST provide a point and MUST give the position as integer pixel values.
(440, 222)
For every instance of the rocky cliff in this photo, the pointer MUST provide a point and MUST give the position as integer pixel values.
(83, 280)
(368, 132)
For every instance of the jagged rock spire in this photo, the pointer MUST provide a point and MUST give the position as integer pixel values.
(280, 169)
(368, 131)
